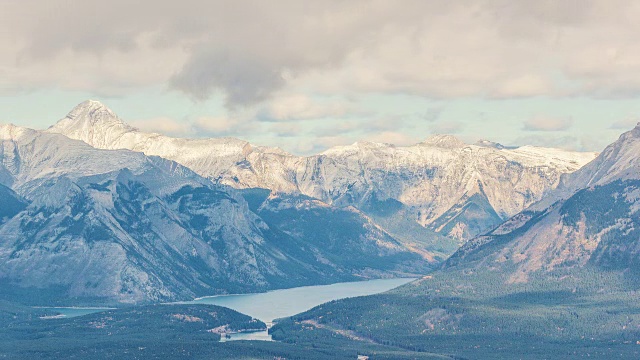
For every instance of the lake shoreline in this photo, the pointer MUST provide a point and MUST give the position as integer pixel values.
(267, 306)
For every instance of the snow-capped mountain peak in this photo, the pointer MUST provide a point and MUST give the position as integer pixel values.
(618, 161)
(357, 147)
(93, 123)
(11, 131)
(444, 141)
(490, 144)
(93, 113)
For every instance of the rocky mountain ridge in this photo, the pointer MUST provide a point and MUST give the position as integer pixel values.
(431, 179)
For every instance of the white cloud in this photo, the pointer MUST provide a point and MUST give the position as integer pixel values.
(625, 124)
(223, 126)
(547, 124)
(251, 50)
(446, 127)
(583, 143)
(432, 114)
(286, 129)
(206, 126)
(522, 86)
(301, 107)
(163, 125)
(393, 137)
(562, 142)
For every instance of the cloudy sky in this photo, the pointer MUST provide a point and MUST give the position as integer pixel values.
(307, 75)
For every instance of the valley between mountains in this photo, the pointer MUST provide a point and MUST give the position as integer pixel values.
(100, 212)
(521, 252)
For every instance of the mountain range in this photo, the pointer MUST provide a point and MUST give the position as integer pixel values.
(522, 252)
(99, 211)
(452, 188)
(120, 226)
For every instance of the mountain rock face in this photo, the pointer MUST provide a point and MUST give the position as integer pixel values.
(437, 178)
(591, 219)
(12, 204)
(339, 231)
(119, 226)
(452, 188)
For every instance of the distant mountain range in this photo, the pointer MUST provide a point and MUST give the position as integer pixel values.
(452, 188)
(126, 216)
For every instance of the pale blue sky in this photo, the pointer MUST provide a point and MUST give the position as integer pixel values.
(307, 76)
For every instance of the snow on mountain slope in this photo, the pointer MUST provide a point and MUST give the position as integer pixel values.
(618, 161)
(435, 176)
(29, 156)
(118, 226)
(592, 219)
(431, 177)
(98, 126)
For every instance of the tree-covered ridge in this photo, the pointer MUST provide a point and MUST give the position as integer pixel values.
(570, 315)
(160, 332)
(156, 330)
